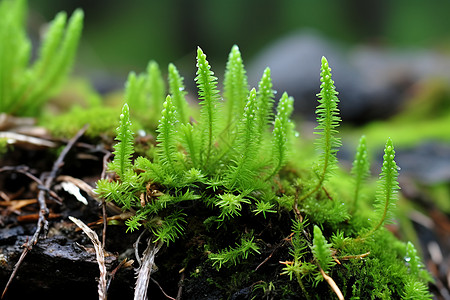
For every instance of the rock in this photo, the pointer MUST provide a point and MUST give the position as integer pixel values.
(372, 81)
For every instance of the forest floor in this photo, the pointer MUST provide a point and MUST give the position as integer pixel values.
(43, 181)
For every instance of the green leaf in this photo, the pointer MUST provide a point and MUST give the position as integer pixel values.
(135, 93)
(264, 207)
(170, 228)
(14, 52)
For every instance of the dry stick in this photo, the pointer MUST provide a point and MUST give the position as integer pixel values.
(282, 243)
(180, 288)
(99, 254)
(164, 293)
(145, 270)
(332, 284)
(103, 175)
(42, 224)
(26, 171)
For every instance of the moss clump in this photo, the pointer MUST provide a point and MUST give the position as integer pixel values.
(230, 185)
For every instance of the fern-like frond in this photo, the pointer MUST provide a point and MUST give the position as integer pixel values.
(230, 205)
(149, 171)
(328, 120)
(22, 90)
(416, 290)
(387, 189)
(177, 90)
(124, 149)
(413, 260)
(360, 169)
(265, 99)
(264, 207)
(55, 61)
(170, 228)
(135, 94)
(235, 87)
(234, 255)
(322, 250)
(14, 50)
(189, 139)
(282, 133)
(167, 134)
(246, 145)
(209, 96)
(123, 194)
(156, 89)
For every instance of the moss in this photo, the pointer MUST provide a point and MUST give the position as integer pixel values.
(219, 184)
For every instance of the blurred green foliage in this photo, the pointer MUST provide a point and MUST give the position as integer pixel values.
(164, 30)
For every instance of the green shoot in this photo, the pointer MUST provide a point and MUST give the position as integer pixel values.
(361, 168)
(387, 192)
(234, 255)
(208, 93)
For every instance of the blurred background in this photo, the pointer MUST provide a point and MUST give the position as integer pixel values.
(383, 45)
(390, 61)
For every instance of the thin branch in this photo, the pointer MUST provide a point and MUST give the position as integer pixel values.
(332, 284)
(164, 293)
(18, 138)
(100, 255)
(180, 285)
(145, 270)
(26, 171)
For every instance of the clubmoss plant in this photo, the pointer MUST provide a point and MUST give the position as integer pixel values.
(231, 180)
(360, 169)
(25, 87)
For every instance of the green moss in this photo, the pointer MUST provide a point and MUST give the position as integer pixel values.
(25, 86)
(222, 178)
(101, 120)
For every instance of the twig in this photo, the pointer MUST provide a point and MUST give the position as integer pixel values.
(145, 270)
(26, 171)
(270, 255)
(42, 224)
(180, 285)
(164, 293)
(332, 284)
(105, 164)
(59, 162)
(326, 193)
(360, 256)
(100, 255)
(18, 138)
